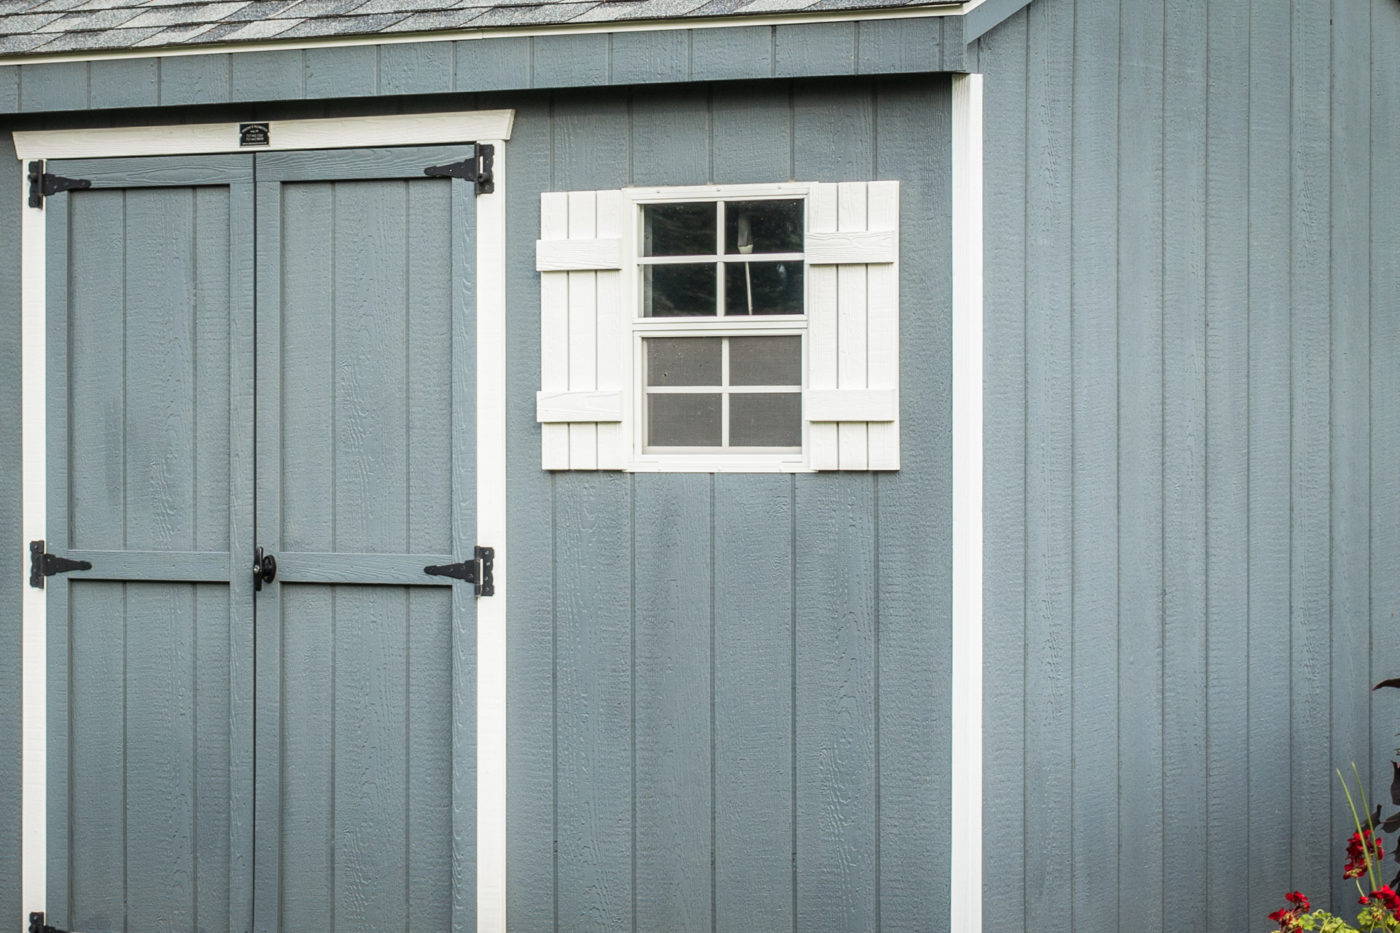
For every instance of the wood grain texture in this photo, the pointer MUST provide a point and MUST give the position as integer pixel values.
(744, 52)
(530, 758)
(1227, 464)
(492, 64)
(889, 46)
(1141, 366)
(416, 68)
(753, 704)
(1185, 630)
(11, 529)
(578, 254)
(342, 72)
(267, 76)
(1006, 442)
(670, 136)
(594, 702)
(53, 86)
(914, 560)
(1049, 473)
(673, 617)
(836, 631)
(130, 83)
(651, 56)
(814, 49)
(1272, 815)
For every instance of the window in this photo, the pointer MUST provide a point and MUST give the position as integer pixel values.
(743, 328)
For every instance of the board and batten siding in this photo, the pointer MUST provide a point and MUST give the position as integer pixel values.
(728, 694)
(1192, 361)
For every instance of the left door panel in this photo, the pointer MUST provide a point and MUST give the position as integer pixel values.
(150, 451)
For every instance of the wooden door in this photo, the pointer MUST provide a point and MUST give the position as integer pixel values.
(150, 441)
(365, 476)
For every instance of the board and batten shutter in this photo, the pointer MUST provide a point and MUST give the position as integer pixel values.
(582, 373)
(851, 400)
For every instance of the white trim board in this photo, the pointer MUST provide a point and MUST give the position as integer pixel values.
(965, 902)
(34, 629)
(419, 129)
(489, 127)
(932, 10)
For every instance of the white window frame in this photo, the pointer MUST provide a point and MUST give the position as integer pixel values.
(636, 328)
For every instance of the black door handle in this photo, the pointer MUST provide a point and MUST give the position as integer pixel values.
(264, 569)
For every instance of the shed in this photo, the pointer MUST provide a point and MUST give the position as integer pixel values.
(693, 465)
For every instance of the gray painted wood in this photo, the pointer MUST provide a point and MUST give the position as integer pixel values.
(674, 702)
(366, 478)
(1185, 625)
(11, 567)
(867, 47)
(752, 134)
(1140, 533)
(140, 782)
(914, 560)
(1005, 491)
(729, 54)
(1243, 263)
(753, 704)
(670, 136)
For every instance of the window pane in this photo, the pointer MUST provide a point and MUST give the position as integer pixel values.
(683, 361)
(765, 420)
(685, 290)
(678, 229)
(763, 288)
(683, 420)
(765, 361)
(763, 226)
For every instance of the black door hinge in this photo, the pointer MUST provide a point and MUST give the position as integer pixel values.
(478, 571)
(477, 170)
(42, 184)
(43, 564)
(37, 924)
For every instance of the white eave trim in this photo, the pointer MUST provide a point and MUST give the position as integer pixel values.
(458, 35)
(419, 129)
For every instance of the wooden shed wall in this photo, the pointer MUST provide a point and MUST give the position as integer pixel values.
(13, 554)
(728, 695)
(1193, 354)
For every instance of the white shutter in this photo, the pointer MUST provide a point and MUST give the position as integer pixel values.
(852, 395)
(579, 256)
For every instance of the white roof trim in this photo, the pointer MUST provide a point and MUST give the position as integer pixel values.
(565, 29)
(416, 129)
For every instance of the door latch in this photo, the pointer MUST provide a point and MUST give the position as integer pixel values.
(37, 924)
(478, 571)
(264, 569)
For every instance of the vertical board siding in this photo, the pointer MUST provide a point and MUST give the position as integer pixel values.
(735, 683)
(1190, 356)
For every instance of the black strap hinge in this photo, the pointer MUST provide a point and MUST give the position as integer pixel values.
(37, 924)
(42, 184)
(477, 170)
(43, 564)
(479, 571)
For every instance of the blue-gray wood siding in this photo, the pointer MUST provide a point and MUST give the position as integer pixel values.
(1192, 359)
(856, 48)
(12, 553)
(728, 695)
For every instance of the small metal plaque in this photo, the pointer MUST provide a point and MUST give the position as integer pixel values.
(253, 134)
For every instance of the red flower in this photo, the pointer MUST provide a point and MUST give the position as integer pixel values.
(1298, 900)
(1287, 917)
(1357, 848)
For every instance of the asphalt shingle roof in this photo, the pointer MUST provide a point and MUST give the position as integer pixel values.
(39, 27)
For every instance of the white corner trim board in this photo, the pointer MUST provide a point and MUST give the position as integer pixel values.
(489, 127)
(413, 129)
(33, 645)
(965, 903)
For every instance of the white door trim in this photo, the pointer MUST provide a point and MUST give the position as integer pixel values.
(487, 127)
(965, 904)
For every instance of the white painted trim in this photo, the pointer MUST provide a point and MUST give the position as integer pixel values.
(929, 11)
(848, 248)
(491, 531)
(584, 407)
(323, 133)
(578, 255)
(34, 606)
(965, 906)
(850, 405)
